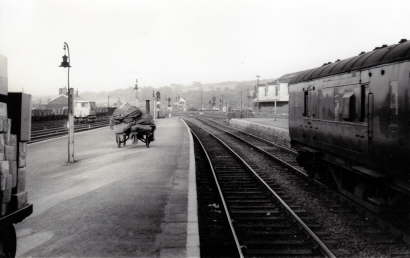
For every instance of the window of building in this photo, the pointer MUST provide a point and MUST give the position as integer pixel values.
(276, 90)
(266, 91)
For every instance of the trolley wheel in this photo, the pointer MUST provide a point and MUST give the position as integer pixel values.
(118, 140)
(147, 140)
(8, 241)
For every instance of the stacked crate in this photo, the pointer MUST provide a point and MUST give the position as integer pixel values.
(12, 170)
(6, 178)
(14, 134)
(20, 115)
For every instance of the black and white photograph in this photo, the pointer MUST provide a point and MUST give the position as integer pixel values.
(204, 128)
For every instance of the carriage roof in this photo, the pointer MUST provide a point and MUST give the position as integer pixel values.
(380, 55)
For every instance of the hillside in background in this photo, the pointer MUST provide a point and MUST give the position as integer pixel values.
(229, 92)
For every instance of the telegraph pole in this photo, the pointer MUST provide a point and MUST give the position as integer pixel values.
(202, 99)
(154, 102)
(241, 101)
(137, 101)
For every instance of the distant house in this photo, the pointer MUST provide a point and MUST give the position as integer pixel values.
(59, 103)
(180, 104)
(274, 91)
(118, 103)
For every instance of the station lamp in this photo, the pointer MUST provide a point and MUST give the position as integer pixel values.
(66, 60)
(70, 123)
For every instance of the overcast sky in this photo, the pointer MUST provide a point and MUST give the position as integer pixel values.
(162, 42)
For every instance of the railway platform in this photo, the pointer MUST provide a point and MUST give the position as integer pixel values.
(279, 122)
(268, 128)
(131, 201)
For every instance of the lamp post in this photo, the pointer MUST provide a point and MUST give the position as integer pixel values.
(158, 103)
(255, 93)
(70, 123)
(153, 105)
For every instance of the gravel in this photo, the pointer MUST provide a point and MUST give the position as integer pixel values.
(349, 228)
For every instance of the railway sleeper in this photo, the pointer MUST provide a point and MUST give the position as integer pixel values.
(282, 253)
(272, 235)
(268, 225)
(266, 212)
(258, 219)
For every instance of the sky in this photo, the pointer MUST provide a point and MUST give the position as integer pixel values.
(160, 42)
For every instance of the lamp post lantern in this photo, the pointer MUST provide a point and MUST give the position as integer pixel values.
(70, 92)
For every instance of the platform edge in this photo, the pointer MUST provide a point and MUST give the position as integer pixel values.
(192, 240)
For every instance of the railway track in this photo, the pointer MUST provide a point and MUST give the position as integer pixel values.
(262, 219)
(283, 154)
(55, 131)
(376, 229)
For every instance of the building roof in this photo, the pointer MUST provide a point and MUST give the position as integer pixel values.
(380, 55)
(59, 100)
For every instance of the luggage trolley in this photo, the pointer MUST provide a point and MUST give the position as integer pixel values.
(144, 133)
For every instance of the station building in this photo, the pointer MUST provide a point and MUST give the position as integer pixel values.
(180, 104)
(273, 91)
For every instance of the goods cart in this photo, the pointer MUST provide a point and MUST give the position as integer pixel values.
(129, 122)
(144, 133)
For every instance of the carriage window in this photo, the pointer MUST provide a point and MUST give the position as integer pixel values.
(363, 93)
(305, 103)
(394, 104)
(349, 106)
(326, 104)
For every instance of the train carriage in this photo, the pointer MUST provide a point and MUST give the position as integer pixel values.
(85, 111)
(351, 119)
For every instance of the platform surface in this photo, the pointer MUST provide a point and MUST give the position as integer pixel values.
(113, 202)
(279, 122)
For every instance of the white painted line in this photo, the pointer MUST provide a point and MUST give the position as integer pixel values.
(192, 238)
(64, 136)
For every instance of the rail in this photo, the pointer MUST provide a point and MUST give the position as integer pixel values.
(43, 134)
(228, 217)
(322, 247)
